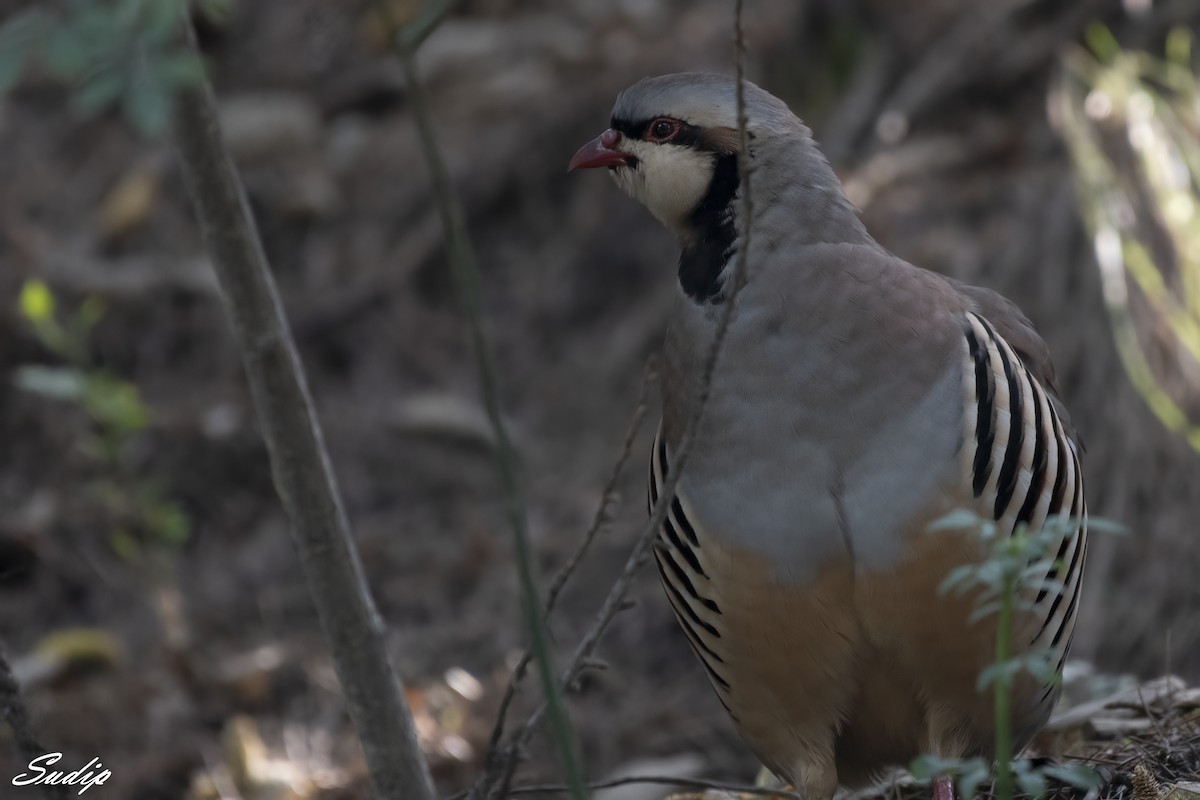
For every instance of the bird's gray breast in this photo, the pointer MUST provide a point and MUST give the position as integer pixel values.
(825, 434)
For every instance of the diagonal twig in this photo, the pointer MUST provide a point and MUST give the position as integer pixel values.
(299, 462)
(608, 500)
(608, 497)
(413, 33)
(466, 278)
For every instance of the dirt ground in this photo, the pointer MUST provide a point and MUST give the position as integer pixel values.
(935, 116)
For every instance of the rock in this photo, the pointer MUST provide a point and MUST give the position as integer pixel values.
(445, 416)
(1184, 790)
(1116, 727)
(1157, 692)
(685, 765)
(263, 125)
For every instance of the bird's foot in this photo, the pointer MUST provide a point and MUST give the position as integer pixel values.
(943, 788)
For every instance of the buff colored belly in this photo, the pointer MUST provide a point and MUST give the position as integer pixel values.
(833, 681)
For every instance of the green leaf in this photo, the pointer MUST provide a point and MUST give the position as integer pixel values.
(1102, 42)
(58, 383)
(12, 64)
(217, 12)
(1039, 663)
(1042, 666)
(1102, 525)
(28, 26)
(983, 611)
(991, 572)
(1051, 587)
(126, 15)
(1081, 776)
(970, 772)
(98, 92)
(182, 70)
(148, 104)
(106, 493)
(959, 579)
(161, 20)
(115, 404)
(167, 522)
(974, 773)
(90, 312)
(960, 520)
(36, 301)
(1179, 46)
(67, 54)
(20, 36)
(124, 545)
(1031, 781)
(103, 27)
(1002, 673)
(926, 768)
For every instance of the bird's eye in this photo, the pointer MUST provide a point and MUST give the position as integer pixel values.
(662, 130)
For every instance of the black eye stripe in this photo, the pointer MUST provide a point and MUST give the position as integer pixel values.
(688, 136)
(626, 128)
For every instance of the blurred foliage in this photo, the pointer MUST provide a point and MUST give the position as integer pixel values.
(142, 515)
(110, 53)
(1132, 124)
(80, 647)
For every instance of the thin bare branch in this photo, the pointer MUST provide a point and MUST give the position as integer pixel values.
(466, 277)
(608, 502)
(299, 463)
(608, 498)
(417, 30)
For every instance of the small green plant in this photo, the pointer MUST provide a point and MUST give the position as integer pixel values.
(122, 53)
(1005, 584)
(144, 521)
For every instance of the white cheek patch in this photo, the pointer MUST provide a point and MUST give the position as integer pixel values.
(670, 180)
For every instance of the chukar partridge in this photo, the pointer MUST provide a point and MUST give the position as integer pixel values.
(858, 399)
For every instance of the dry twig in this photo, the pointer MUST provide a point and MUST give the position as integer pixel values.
(608, 501)
(299, 462)
(608, 497)
(466, 277)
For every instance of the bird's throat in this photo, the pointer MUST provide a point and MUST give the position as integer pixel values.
(705, 255)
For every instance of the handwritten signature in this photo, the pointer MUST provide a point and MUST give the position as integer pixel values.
(90, 774)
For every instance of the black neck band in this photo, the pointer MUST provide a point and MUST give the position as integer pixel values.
(703, 260)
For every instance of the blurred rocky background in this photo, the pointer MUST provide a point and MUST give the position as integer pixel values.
(149, 595)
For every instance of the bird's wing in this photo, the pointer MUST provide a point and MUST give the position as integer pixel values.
(1023, 466)
(1011, 323)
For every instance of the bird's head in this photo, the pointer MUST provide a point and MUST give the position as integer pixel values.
(673, 145)
(673, 141)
